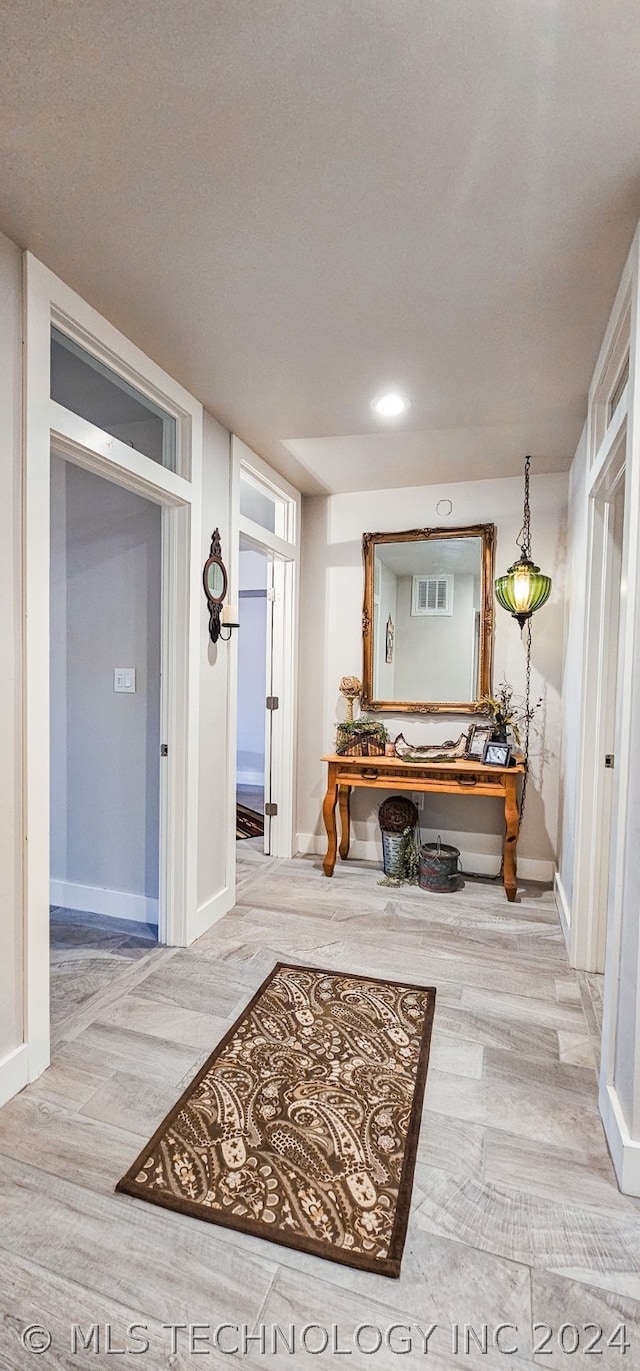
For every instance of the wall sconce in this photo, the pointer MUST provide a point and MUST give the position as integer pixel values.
(216, 583)
(229, 620)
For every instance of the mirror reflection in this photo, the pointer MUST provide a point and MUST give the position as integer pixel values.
(427, 618)
(215, 580)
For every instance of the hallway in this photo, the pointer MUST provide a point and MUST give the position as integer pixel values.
(516, 1215)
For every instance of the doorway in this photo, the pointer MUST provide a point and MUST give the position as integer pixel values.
(160, 459)
(105, 731)
(265, 567)
(255, 664)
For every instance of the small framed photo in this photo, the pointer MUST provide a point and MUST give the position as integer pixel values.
(477, 739)
(496, 754)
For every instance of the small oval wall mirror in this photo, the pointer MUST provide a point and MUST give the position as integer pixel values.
(216, 579)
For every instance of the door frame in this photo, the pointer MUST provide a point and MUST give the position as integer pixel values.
(594, 913)
(604, 632)
(286, 548)
(47, 425)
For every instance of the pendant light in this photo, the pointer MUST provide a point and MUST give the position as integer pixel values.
(522, 590)
(524, 587)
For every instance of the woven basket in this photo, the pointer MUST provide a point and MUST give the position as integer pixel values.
(364, 745)
(397, 813)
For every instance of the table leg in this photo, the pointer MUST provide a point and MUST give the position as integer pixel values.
(329, 816)
(344, 800)
(512, 824)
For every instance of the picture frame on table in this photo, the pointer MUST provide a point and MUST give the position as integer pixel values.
(477, 739)
(496, 753)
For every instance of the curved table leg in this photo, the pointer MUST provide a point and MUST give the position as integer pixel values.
(512, 824)
(329, 816)
(344, 800)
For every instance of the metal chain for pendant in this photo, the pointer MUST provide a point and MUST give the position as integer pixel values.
(527, 719)
(524, 537)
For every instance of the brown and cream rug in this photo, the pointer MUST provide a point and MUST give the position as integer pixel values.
(302, 1126)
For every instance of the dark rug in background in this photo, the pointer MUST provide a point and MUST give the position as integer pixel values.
(249, 824)
(302, 1127)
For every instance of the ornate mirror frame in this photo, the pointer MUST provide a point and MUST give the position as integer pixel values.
(487, 533)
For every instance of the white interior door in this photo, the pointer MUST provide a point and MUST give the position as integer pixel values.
(272, 704)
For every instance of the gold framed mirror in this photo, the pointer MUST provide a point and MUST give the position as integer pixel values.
(427, 620)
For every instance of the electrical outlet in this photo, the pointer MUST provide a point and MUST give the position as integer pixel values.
(124, 680)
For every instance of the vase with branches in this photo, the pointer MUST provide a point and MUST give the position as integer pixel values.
(509, 711)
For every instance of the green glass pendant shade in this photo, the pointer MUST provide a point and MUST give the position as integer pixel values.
(523, 589)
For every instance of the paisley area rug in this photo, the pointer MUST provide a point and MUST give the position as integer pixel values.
(302, 1126)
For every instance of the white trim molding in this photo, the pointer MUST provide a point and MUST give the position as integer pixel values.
(482, 863)
(215, 908)
(14, 1073)
(563, 907)
(95, 899)
(625, 1150)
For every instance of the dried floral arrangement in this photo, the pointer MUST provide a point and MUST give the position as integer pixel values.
(509, 710)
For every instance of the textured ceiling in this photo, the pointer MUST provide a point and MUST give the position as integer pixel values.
(293, 204)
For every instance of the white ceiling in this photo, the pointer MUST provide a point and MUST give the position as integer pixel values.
(433, 556)
(293, 205)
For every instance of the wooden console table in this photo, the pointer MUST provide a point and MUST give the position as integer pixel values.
(452, 778)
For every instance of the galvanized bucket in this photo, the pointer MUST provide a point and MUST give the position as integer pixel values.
(438, 866)
(391, 852)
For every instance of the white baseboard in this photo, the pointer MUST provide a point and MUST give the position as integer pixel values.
(485, 864)
(116, 904)
(563, 907)
(214, 909)
(625, 1150)
(14, 1073)
(251, 778)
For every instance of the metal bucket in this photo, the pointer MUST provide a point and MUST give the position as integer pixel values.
(391, 852)
(438, 867)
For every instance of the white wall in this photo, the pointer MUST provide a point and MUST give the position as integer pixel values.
(435, 652)
(216, 874)
(331, 647)
(11, 938)
(387, 604)
(105, 583)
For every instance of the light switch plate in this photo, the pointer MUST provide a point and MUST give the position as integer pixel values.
(124, 680)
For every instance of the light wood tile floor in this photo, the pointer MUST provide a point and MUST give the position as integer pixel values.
(516, 1216)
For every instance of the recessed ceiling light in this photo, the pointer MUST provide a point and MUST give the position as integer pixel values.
(391, 405)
